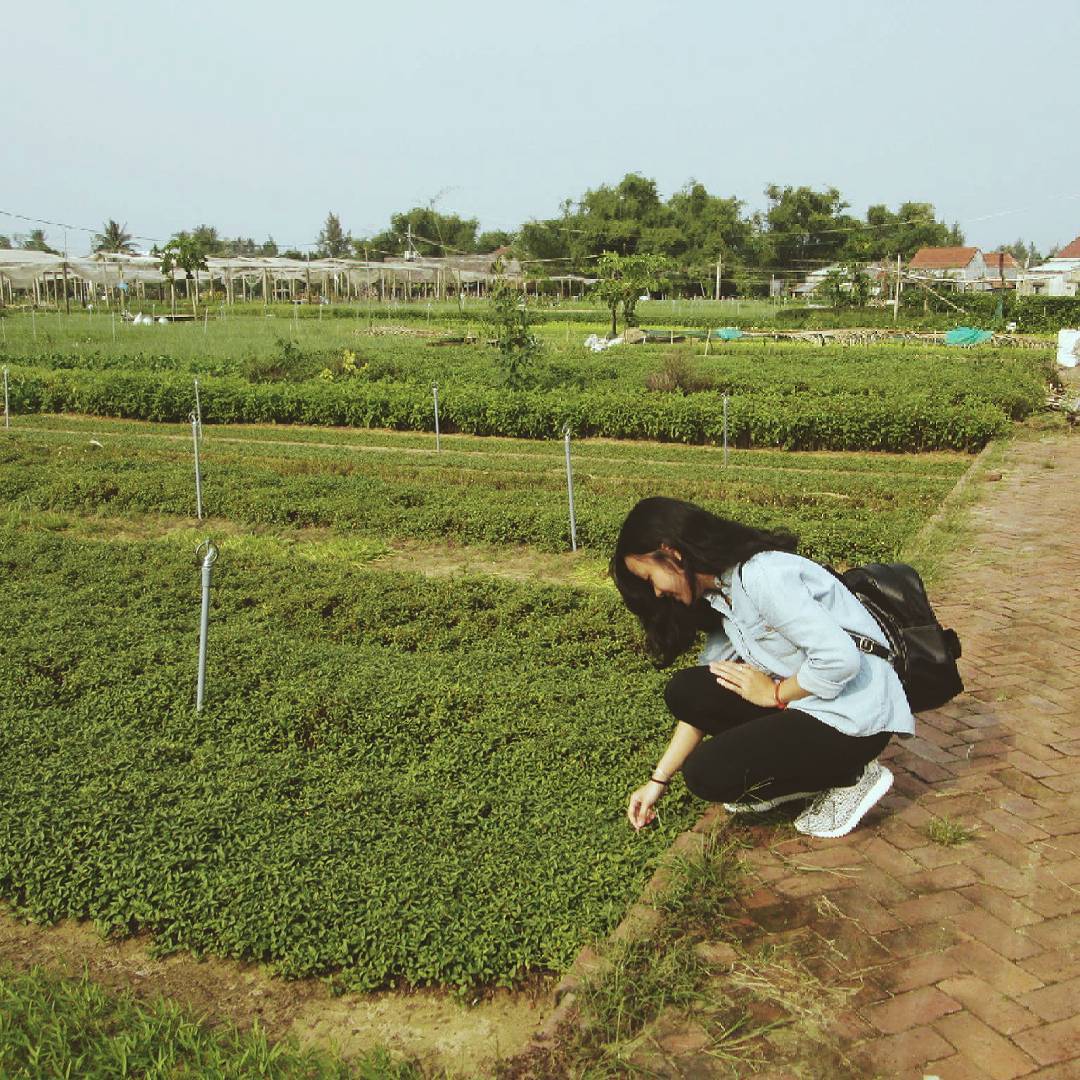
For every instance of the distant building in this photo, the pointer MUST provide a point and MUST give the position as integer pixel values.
(964, 268)
(1000, 264)
(1059, 276)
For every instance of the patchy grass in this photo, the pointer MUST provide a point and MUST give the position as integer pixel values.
(60, 1026)
(948, 833)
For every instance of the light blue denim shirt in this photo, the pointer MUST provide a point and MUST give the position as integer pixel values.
(789, 616)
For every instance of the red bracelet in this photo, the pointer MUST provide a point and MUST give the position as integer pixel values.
(776, 694)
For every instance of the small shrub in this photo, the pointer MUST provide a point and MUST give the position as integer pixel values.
(677, 374)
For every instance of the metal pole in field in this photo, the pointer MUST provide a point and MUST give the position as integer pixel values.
(435, 394)
(198, 410)
(7, 413)
(209, 554)
(570, 489)
(198, 475)
(725, 428)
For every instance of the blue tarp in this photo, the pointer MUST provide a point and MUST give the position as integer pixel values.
(728, 333)
(967, 335)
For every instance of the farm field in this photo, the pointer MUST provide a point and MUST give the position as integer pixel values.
(896, 398)
(398, 780)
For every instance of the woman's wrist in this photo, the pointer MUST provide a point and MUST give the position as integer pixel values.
(778, 701)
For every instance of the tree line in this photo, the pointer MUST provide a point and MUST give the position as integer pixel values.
(801, 229)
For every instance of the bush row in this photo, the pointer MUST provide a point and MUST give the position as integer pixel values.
(914, 421)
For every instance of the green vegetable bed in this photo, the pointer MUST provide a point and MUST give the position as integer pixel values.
(395, 780)
(847, 507)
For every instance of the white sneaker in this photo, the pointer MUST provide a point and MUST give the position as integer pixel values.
(759, 806)
(837, 811)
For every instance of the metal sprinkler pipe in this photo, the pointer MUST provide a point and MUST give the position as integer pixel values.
(209, 556)
(570, 489)
(198, 473)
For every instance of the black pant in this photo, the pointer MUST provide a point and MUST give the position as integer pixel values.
(759, 751)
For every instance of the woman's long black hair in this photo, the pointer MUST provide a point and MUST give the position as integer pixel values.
(708, 545)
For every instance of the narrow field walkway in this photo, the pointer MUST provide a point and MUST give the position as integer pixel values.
(969, 955)
(966, 956)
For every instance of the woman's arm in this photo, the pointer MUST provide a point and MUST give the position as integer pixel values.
(684, 739)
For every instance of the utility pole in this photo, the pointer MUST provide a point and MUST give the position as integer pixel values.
(719, 264)
(896, 297)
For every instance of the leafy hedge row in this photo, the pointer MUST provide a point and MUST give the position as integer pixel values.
(395, 779)
(917, 420)
(843, 517)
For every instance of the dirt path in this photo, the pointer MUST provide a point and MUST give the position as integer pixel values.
(463, 1037)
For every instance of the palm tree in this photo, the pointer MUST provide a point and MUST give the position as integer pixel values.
(114, 239)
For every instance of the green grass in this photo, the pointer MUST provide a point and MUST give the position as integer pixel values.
(54, 1026)
(948, 833)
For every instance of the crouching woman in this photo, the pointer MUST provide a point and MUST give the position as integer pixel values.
(783, 704)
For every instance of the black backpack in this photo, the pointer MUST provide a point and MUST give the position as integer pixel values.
(922, 651)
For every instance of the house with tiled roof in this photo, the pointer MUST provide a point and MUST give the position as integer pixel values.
(999, 265)
(1059, 276)
(962, 267)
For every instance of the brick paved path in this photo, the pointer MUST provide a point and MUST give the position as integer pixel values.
(969, 956)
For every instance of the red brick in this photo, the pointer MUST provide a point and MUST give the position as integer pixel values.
(1052, 967)
(888, 858)
(1059, 900)
(1003, 939)
(956, 1067)
(937, 907)
(1058, 934)
(944, 877)
(1013, 826)
(992, 1008)
(919, 971)
(1011, 912)
(898, 1053)
(919, 940)
(984, 1047)
(866, 911)
(1052, 1043)
(1057, 1002)
(1008, 977)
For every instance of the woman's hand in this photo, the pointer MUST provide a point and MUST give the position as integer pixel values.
(640, 811)
(746, 681)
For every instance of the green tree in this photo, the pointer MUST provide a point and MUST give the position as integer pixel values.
(902, 232)
(268, 248)
(333, 242)
(623, 278)
(35, 241)
(709, 228)
(5, 243)
(492, 240)
(184, 252)
(508, 316)
(114, 239)
(430, 234)
(1025, 253)
(803, 228)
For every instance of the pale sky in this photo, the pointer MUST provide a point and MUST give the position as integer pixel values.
(259, 118)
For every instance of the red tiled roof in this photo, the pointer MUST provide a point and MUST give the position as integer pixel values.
(991, 258)
(1070, 251)
(942, 258)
